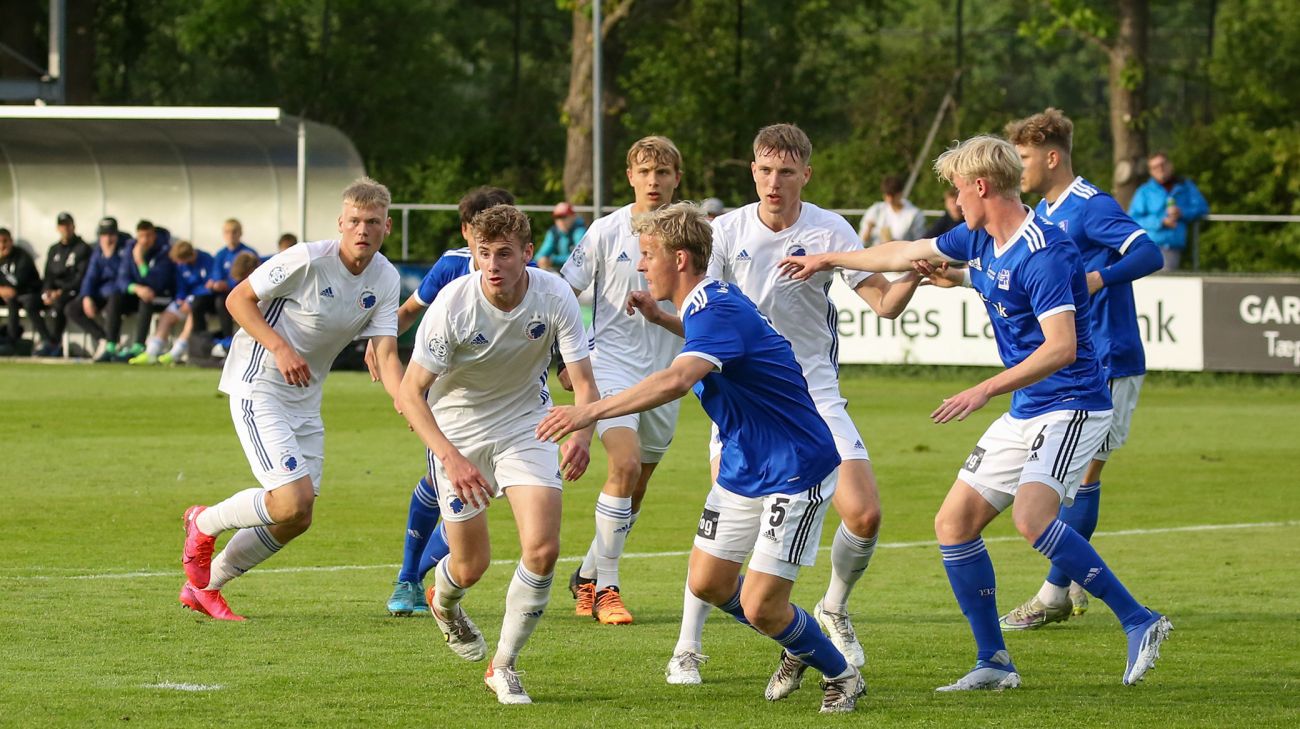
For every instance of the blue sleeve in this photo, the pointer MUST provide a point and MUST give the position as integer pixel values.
(92, 273)
(1049, 277)
(443, 272)
(1196, 207)
(126, 268)
(548, 244)
(957, 243)
(1105, 223)
(1142, 259)
(712, 333)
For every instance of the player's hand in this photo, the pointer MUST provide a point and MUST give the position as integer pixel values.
(48, 297)
(960, 405)
(802, 268)
(372, 361)
(562, 420)
(467, 481)
(1095, 283)
(575, 456)
(145, 294)
(293, 367)
(643, 302)
(935, 275)
(88, 307)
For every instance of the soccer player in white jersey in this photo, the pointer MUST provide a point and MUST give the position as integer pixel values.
(1116, 251)
(1031, 278)
(624, 350)
(297, 312)
(778, 462)
(748, 244)
(471, 395)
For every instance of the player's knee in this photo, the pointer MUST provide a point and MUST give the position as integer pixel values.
(467, 571)
(767, 616)
(1030, 525)
(624, 472)
(865, 523)
(712, 593)
(951, 529)
(540, 558)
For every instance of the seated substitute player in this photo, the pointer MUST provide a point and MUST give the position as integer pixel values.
(471, 395)
(192, 269)
(747, 245)
(624, 350)
(1031, 279)
(425, 543)
(297, 312)
(778, 466)
(1116, 251)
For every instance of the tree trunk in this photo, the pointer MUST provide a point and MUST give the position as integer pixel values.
(1128, 65)
(577, 110)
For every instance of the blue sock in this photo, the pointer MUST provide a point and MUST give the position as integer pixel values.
(804, 639)
(1072, 554)
(970, 572)
(435, 551)
(420, 521)
(732, 606)
(1082, 517)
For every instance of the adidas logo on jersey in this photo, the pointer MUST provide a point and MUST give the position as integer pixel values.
(1032, 457)
(327, 292)
(858, 444)
(479, 340)
(770, 534)
(623, 258)
(742, 256)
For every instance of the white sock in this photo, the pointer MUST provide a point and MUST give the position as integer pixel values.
(447, 594)
(245, 509)
(613, 520)
(587, 570)
(1053, 596)
(153, 346)
(850, 555)
(180, 348)
(246, 550)
(694, 612)
(525, 602)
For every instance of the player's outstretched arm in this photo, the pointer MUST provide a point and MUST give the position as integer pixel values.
(389, 365)
(885, 297)
(643, 302)
(894, 256)
(663, 386)
(241, 302)
(1059, 348)
(575, 454)
(466, 480)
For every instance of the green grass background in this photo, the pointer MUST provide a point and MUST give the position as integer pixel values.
(101, 462)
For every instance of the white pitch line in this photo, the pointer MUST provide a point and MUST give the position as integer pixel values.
(184, 686)
(657, 555)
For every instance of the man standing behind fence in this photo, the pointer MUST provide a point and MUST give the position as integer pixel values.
(1164, 205)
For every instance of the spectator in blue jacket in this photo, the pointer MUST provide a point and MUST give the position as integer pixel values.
(1165, 205)
(148, 276)
(220, 283)
(100, 291)
(562, 237)
(192, 269)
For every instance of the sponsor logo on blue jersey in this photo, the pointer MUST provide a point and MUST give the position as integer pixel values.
(367, 299)
(536, 329)
(1004, 280)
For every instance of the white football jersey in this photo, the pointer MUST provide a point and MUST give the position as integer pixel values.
(489, 362)
(746, 252)
(624, 349)
(318, 306)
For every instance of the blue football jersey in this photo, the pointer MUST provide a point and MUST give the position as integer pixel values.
(773, 438)
(1104, 233)
(1036, 275)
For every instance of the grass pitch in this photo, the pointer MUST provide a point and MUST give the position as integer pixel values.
(1199, 517)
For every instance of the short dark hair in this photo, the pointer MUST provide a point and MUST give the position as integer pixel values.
(502, 222)
(481, 198)
(144, 225)
(891, 185)
(5, 232)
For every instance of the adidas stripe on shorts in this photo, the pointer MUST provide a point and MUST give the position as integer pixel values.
(1053, 448)
(782, 531)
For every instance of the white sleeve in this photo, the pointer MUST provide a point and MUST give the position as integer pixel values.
(281, 274)
(383, 322)
(568, 329)
(435, 340)
(580, 270)
(718, 257)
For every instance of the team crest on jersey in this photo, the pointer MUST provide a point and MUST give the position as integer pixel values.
(578, 255)
(289, 462)
(535, 329)
(796, 249)
(1004, 279)
(367, 299)
(438, 347)
(278, 275)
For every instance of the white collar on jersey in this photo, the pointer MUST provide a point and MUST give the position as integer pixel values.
(1074, 185)
(1021, 232)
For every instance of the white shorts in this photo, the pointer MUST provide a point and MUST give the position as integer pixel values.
(782, 531)
(654, 428)
(835, 412)
(1124, 394)
(281, 446)
(519, 461)
(1053, 448)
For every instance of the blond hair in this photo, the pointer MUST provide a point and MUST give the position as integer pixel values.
(784, 140)
(502, 222)
(182, 252)
(366, 193)
(682, 226)
(986, 157)
(659, 150)
(1048, 129)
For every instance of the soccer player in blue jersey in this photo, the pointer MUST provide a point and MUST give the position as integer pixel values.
(778, 465)
(426, 542)
(1030, 276)
(1116, 251)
